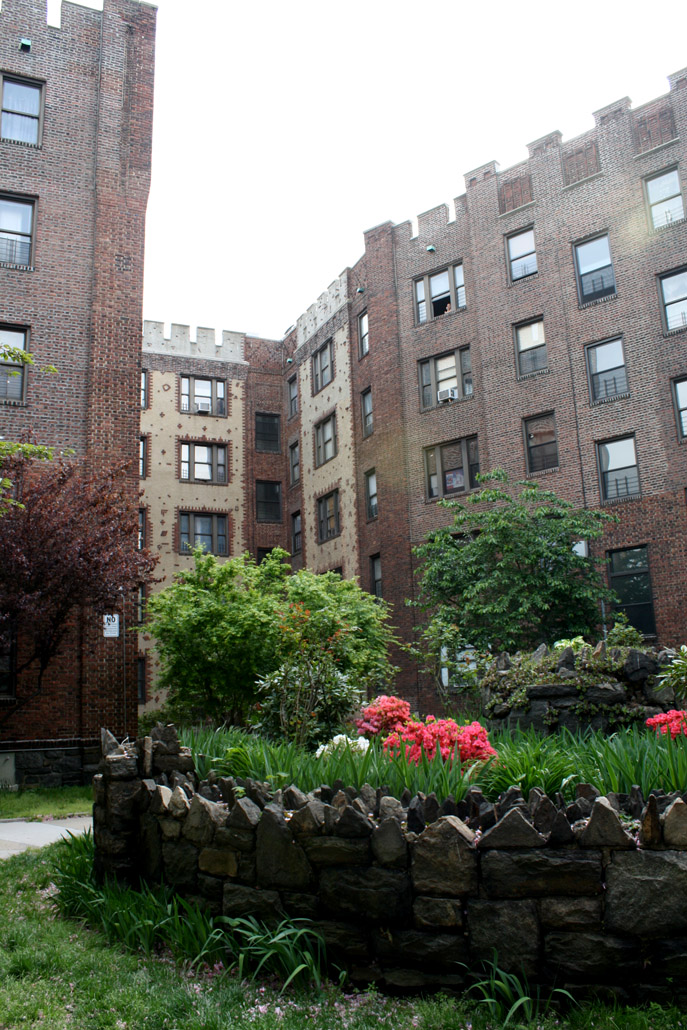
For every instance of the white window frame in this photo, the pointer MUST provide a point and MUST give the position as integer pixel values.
(426, 300)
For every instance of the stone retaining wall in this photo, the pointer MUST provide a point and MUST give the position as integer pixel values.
(408, 892)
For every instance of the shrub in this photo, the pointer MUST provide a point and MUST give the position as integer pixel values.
(622, 634)
(386, 714)
(676, 675)
(461, 743)
(673, 722)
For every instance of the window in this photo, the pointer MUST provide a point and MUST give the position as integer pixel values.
(12, 375)
(531, 348)
(142, 457)
(140, 605)
(618, 465)
(376, 575)
(203, 396)
(680, 398)
(522, 257)
(366, 410)
(144, 389)
(629, 578)
(328, 516)
(451, 468)
(664, 199)
(268, 501)
(322, 367)
(201, 529)
(371, 494)
(16, 227)
(262, 553)
(674, 292)
(446, 378)
(293, 396)
(203, 463)
(21, 111)
(540, 437)
(141, 674)
(607, 373)
(141, 528)
(325, 440)
(296, 538)
(445, 290)
(595, 276)
(267, 433)
(363, 335)
(295, 462)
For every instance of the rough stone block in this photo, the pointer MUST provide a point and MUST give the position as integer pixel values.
(444, 862)
(430, 913)
(159, 803)
(178, 804)
(520, 874)
(646, 893)
(170, 828)
(263, 905)
(389, 845)
(343, 940)
(435, 950)
(238, 840)
(333, 851)
(604, 828)
(218, 863)
(570, 913)
(120, 767)
(594, 955)
(509, 927)
(99, 792)
(367, 894)
(203, 818)
(300, 906)
(513, 831)
(280, 861)
(122, 798)
(675, 825)
(180, 859)
(245, 815)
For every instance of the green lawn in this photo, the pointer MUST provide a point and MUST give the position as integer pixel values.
(34, 803)
(57, 974)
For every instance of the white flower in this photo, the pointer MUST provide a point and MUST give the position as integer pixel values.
(357, 745)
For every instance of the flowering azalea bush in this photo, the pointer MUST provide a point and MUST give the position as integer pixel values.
(673, 722)
(456, 743)
(386, 714)
(389, 718)
(357, 745)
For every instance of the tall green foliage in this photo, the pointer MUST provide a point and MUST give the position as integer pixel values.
(504, 575)
(222, 626)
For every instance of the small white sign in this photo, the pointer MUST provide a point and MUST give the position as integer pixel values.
(110, 625)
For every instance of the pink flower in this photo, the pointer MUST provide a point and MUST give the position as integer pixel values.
(674, 721)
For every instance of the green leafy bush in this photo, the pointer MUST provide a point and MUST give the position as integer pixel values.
(622, 634)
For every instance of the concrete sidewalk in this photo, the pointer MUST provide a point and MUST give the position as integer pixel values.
(18, 835)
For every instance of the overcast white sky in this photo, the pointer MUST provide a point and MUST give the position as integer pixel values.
(283, 130)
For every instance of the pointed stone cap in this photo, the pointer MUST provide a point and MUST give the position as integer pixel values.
(513, 831)
(675, 825)
(604, 829)
(561, 831)
(650, 831)
(178, 804)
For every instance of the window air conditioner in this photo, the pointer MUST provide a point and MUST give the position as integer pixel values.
(444, 396)
(204, 406)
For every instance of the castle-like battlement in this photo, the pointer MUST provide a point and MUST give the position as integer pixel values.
(326, 305)
(229, 346)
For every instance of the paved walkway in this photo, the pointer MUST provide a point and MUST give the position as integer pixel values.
(16, 836)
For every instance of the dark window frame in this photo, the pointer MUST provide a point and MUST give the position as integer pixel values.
(328, 521)
(141, 679)
(425, 306)
(428, 378)
(615, 580)
(435, 466)
(9, 253)
(296, 532)
(215, 533)
(218, 399)
(542, 461)
(142, 528)
(376, 575)
(363, 334)
(292, 389)
(607, 492)
(13, 378)
(652, 205)
(217, 450)
(680, 421)
(34, 84)
(681, 300)
(371, 496)
(607, 285)
(294, 462)
(268, 509)
(367, 412)
(267, 441)
(605, 376)
(143, 456)
(530, 360)
(321, 369)
(513, 260)
(321, 441)
(145, 389)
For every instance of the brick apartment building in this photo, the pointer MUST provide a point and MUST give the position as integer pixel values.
(542, 330)
(75, 153)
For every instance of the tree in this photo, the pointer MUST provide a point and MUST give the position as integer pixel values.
(68, 544)
(14, 356)
(222, 626)
(505, 575)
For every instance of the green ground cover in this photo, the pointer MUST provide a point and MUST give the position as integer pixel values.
(36, 803)
(57, 973)
(559, 762)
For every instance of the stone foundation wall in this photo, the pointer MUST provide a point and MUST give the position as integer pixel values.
(52, 764)
(408, 892)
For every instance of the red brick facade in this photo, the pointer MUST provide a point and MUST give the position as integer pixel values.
(79, 296)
